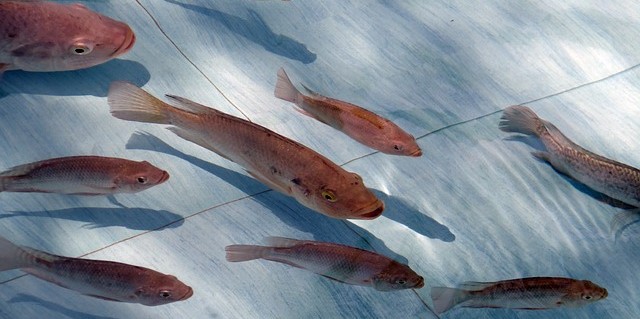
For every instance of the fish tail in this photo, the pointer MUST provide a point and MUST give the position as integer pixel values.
(131, 103)
(13, 256)
(520, 119)
(285, 89)
(238, 253)
(445, 298)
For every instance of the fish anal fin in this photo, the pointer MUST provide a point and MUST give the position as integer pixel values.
(311, 92)
(103, 297)
(543, 156)
(282, 242)
(196, 139)
(271, 183)
(475, 285)
(305, 112)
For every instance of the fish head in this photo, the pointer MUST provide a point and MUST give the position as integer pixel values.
(341, 195)
(160, 289)
(583, 292)
(71, 38)
(397, 276)
(138, 176)
(397, 142)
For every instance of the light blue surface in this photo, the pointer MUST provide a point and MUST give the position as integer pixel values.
(475, 207)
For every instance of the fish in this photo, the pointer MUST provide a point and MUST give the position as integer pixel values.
(82, 175)
(280, 163)
(614, 179)
(362, 125)
(101, 279)
(44, 36)
(533, 293)
(341, 263)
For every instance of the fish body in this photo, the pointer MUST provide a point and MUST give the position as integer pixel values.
(277, 161)
(338, 262)
(44, 36)
(526, 293)
(614, 179)
(82, 175)
(97, 278)
(362, 125)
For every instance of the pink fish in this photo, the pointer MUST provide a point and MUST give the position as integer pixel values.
(84, 175)
(96, 278)
(46, 36)
(362, 125)
(525, 293)
(338, 262)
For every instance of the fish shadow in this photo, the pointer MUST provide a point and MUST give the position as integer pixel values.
(98, 217)
(400, 211)
(55, 307)
(91, 81)
(287, 209)
(256, 30)
(536, 144)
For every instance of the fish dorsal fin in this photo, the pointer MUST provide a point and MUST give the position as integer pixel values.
(282, 242)
(21, 170)
(102, 297)
(191, 106)
(475, 285)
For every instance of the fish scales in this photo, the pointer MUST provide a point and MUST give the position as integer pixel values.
(614, 179)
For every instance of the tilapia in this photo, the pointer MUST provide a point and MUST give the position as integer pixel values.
(96, 278)
(342, 263)
(360, 124)
(277, 161)
(525, 293)
(82, 175)
(614, 179)
(46, 36)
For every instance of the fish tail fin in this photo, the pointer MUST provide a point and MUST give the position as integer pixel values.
(131, 103)
(445, 298)
(13, 256)
(238, 253)
(285, 89)
(520, 119)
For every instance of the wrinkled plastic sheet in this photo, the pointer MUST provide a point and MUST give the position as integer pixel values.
(477, 206)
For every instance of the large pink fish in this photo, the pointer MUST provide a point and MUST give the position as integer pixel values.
(48, 36)
(84, 175)
(362, 125)
(277, 161)
(96, 278)
(523, 293)
(338, 262)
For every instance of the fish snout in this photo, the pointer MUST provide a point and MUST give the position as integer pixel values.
(420, 283)
(376, 212)
(187, 295)
(127, 44)
(165, 176)
(416, 153)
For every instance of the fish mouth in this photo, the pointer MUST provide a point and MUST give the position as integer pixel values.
(373, 212)
(165, 176)
(420, 284)
(416, 153)
(187, 295)
(127, 44)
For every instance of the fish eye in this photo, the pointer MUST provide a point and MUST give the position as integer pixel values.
(165, 294)
(81, 49)
(401, 281)
(329, 196)
(587, 297)
(397, 147)
(142, 180)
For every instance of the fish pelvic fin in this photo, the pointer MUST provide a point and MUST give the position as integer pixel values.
(239, 253)
(520, 119)
(284, 88)
(131, 103)
(13, 256)
(445, 298)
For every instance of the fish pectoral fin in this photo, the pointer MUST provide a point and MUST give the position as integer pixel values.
(196, 139)
(282, 188)
(191, 106)
(102, 297)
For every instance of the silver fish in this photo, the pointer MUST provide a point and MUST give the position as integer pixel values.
(96, 278)
(82, 175)
(524, 293)
(279, 162)
(362, 125)
(47, 36)
(338, 262)
(614, 179)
